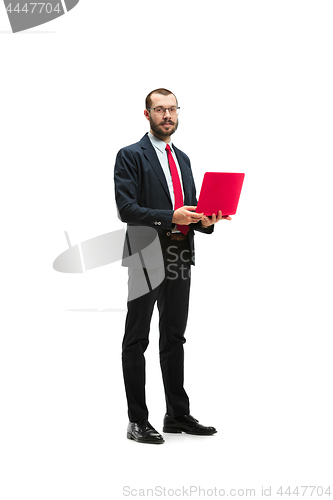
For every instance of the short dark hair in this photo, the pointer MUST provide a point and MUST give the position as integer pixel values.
(158, 91)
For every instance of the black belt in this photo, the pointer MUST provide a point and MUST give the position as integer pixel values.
(179, 236)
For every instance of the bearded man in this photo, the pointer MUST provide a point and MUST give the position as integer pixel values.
(154, 188)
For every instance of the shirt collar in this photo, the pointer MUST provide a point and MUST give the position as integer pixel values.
(158, 143)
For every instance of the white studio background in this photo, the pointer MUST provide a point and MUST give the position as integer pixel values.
(254, 82)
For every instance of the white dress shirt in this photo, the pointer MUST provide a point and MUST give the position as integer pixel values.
(163, 157)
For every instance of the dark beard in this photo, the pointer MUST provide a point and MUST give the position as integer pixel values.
(160, 131)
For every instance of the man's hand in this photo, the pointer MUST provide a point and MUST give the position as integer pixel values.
(206, 221)
(185, 215)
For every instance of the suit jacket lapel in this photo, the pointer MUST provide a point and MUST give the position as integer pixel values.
(150, 154)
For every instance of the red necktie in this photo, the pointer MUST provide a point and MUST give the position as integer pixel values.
(177, 188)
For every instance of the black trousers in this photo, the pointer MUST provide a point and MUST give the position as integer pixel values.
(172, 298)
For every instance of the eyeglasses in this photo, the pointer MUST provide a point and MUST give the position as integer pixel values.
(161, 111)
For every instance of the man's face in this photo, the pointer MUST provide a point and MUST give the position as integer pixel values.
(163, 125)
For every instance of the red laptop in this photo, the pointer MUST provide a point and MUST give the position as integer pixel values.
(220, 191)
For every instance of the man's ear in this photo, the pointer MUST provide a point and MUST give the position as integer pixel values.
(146, 113)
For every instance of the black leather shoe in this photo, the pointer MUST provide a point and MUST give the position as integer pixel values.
(143, 432)
(188, 424)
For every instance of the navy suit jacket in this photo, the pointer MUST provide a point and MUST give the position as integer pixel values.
(142, 194)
